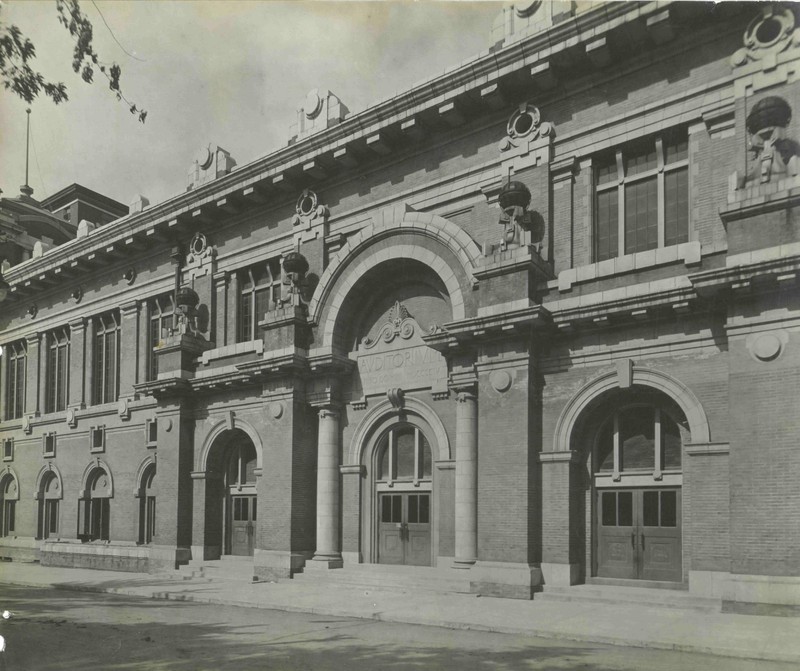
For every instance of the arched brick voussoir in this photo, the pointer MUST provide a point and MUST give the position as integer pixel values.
(337, 280)
(646, 377)
(217, 429)
(43, 472)
(422, 255)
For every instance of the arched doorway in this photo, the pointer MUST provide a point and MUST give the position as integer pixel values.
(635, 462)
(403, 496)
(94, 509)
(49, 506)
(147, 505)
(9, 495)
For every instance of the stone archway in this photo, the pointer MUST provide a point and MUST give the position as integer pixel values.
(226, 502)
(573, 544)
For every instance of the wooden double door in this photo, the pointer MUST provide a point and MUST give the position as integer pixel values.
(639, 534)
(242, 522)
(404, 528)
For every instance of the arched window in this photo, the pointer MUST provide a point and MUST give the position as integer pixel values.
(49, 506)
(147, 506)
(639, 438)
(94, 512)
(8, 505)
(404, 454)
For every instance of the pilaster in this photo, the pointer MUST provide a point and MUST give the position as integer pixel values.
(129, 337)
(77, 363)
(32, 372)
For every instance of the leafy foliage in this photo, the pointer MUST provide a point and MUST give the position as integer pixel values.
(17, 53)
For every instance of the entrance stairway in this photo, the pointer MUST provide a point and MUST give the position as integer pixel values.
(624, 594)
(390, 577)
(229, 568)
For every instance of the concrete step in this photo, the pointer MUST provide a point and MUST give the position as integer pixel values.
(232, 569)
(617, 594)
(402, 578)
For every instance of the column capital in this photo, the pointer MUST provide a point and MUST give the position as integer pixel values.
(466, 394)
(328, 411)
(34, 338)
(78, 324)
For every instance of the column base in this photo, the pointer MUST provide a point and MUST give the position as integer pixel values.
(562, 575)
(206, 552)
(166, 558)
(276, 564)
(507, 580)
(324, 562)
(464, 563)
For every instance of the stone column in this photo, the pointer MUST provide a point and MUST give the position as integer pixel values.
(328, 489)
(44, 341)
(466, 479)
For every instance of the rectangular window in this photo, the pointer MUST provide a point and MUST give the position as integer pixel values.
(49, 445)
(642, 196)
(97, 439)
(16, 354)
(261, 291)
(8, 449)
(161, 310)
(57, 370)
(151, 432)
(106, 358)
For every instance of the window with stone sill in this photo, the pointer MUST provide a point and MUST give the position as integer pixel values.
(261, 289)
(161, 310)
(642, 196)
(57, 370)
(105, 358)
(16, 356)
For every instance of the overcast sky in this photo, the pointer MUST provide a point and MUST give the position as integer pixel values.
(228, 73)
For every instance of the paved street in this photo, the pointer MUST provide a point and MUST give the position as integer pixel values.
(56, 629)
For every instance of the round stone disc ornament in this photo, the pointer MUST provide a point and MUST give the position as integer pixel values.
(500, 380)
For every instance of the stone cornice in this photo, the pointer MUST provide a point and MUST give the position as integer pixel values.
(195, 208)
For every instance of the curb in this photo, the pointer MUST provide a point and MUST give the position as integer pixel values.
(380, 616)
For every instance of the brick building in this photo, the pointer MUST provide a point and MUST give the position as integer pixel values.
(533, 322)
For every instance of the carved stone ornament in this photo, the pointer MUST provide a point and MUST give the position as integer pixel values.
(77, 295)
(27, 424)
(72, 418)
(767, 346)
(396, 397)
(307, 208)
(129, 276)
(33, 310)
(200, 257)
(400, 324)
(768, 34)
(775, 154)
(123, 408)
(525, 125)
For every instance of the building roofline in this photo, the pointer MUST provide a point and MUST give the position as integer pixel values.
(73, 191)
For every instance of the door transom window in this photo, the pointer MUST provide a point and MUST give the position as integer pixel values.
(404, 455)
(638, 439)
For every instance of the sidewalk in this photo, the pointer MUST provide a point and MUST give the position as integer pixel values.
(729, 635)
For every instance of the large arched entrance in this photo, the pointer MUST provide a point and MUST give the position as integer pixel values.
(636, 466)
(234, 503)
(631, 443)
